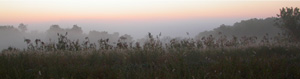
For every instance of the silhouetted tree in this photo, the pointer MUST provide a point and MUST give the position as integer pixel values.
(250, 27)
(289, 19)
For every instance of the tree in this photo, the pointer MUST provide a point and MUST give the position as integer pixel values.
(289, 19)
(22, 27)
(55, 29)
(76, 29)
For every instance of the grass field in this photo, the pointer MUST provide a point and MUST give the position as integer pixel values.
(208, 58)
(181, 63)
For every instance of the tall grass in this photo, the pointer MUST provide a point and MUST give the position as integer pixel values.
(180, 59)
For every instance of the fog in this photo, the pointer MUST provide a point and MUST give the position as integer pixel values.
(112, 29)
(138, 28)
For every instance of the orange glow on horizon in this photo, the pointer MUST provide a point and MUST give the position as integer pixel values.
(55, 10)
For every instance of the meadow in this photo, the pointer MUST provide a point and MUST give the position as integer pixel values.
(205, 58)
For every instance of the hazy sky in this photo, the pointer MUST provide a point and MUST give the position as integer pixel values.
(137, 17)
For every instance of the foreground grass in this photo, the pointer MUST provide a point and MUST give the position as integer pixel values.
(182, 63)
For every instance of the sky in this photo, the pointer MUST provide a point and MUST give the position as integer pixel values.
(137, 17)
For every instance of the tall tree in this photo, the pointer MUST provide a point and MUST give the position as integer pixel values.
(289, 20)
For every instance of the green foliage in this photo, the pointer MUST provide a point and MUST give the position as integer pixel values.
(290, 21)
